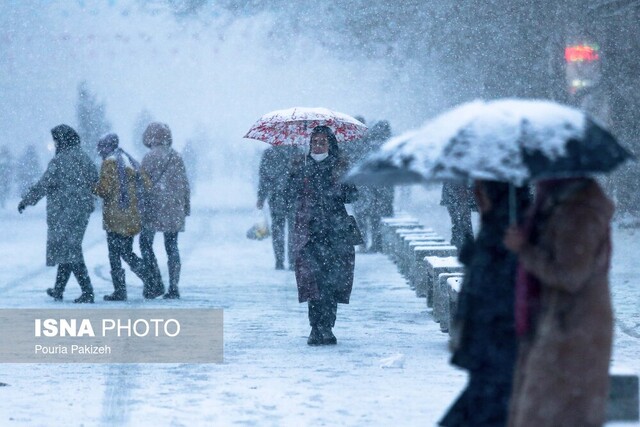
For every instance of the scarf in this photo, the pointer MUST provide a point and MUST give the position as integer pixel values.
(123, 200)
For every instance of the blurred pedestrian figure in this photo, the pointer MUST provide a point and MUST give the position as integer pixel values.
(355, 151)
(458, 200)
(323, 236)
(563, 307)
(381, 196)
(483, 335)
(275, 167)
(167, 204)
(121, 186)
(67, 184)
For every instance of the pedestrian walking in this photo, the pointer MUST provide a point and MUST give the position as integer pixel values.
(363, 207)
(324, 235)
(381, 195)
(167, 203)
(563, 306)
(122, 187)
(67, 184)
(275, 167)
(458, 200)
(484, 337)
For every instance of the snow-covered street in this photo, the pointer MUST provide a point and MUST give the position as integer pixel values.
(390, 366)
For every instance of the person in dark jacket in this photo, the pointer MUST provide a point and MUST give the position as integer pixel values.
(275, 166)
(167, 204)
(458, 200)
(381, 196)
(67, 184)
(324, 256)
(121, 186)
(483, 334)
(363, 208)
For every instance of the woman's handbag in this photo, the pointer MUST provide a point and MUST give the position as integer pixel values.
(353, 234)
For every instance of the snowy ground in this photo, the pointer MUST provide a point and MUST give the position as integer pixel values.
(389, 367)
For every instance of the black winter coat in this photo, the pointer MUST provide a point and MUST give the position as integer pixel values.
(486, 304)
(323, 258)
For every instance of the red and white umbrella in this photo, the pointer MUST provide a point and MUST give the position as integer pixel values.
(294, 125)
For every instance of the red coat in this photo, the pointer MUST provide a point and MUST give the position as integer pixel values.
(562, 375)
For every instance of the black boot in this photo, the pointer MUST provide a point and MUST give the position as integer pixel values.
(328, 319)
(174, 277)
(327, 336)
(315, 338)
(119, 286)
(82, 275)
(62, 277)
(152, 280)
(172, 293)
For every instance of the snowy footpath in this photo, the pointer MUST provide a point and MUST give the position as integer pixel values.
(390, 367)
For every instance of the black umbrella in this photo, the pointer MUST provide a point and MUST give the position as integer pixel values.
(597, 151)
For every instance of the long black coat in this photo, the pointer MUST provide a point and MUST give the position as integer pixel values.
(488, 343)
(323, 258)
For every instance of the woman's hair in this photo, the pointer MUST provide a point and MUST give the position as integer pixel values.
(334, 150)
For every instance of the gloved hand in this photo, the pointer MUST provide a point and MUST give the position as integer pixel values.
(22, 206)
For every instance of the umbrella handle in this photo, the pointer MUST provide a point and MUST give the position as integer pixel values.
(513, 214)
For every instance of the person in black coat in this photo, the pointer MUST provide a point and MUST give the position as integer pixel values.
(67, 184)
(275, 166)
(382, 195)
(323, 244)
(483, 333)
(458, 200)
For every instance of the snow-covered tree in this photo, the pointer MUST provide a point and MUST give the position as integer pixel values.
(92, 121)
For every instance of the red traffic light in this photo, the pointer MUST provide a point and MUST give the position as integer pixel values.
(580, 53)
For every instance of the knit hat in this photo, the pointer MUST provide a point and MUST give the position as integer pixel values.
(157, 134)
(107, 144)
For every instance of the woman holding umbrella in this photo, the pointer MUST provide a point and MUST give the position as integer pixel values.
(486, 338)
(563, 307)
(323, 233)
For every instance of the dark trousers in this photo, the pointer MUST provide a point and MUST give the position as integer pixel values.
(121, 248)
(173, 255)
(376, 233)
(323, 311)
(79, 270)
(278, 219)
(461, 228)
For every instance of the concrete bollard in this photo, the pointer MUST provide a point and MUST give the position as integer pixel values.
(417, 271)
(405, 253)
(389, 224)
(441, 300)
(623, 403)
(436, 265)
